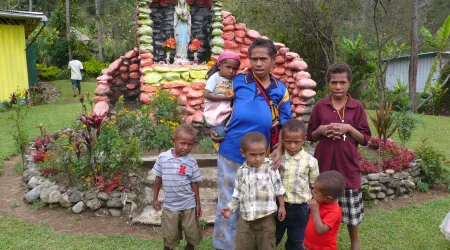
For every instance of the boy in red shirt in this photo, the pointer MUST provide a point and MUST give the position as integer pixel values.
(323, 225)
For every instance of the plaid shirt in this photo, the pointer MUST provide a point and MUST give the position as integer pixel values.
(255, 191)
(298, 172)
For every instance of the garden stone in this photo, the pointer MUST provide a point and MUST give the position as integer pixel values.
(27, 174)
(364, 186)
(54, 196)
(131, 197)
(390, 191)
(53, 205)
(115, 212)
(384, 179)
(36, 192)
(389, 171)
(415, 173)
(371, 196)
(35, 181)
(31, 165)
(374, 183)
(94, 204)
(90, 195)
(374, 189)
(64, 200)
(394, 184)
(373, 177)
(114, 203)
(78, 208)
(410, 184)
(76, 196)
(115, 195)
(402, 190)
(45, 193)
(71, 190)
(364, 181)
(383, 188)
(103, 196)
(102, 212)
(381, 195)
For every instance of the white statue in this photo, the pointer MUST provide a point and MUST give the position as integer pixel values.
(182, 27)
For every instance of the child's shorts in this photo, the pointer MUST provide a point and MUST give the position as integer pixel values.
(257, 234)
(76, 83)
(174, 223)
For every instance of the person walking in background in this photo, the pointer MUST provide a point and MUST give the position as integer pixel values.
(75, 67)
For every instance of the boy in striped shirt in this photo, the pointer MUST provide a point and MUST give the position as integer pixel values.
(255, 189)
(298, 171)
(179, 175)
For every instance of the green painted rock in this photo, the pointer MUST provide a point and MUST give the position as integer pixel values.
(179, 70)
(172, 76)
(147, 70)
(145, 10)
(161, 69)
(186, 76)
(145, 22)
(218, 19)
(146, 48)
(145, 39)
(197, 74)
(143, 16)
(217, 32)
(152, 78)
(216, 50)
(145, 30)
(217, 25)
(217, 41)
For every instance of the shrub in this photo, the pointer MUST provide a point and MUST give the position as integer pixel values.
(399, 97)
(434, 165)
(63, 75)
(406, 125)
(48, 73)
(207, 145)
(93, 68)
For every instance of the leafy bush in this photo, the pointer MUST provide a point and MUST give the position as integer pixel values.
(399, 97)
(384, 122)
(406, 125)
(93, 68)
(48, 73)
(63, 75)
(207, 145)
(434, 165)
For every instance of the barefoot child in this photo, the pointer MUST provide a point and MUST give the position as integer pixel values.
(298, 171)
(218, 91)
(179, 175)
(256, 187)
(323, 225)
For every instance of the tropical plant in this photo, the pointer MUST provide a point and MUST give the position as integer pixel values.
(19, 101)
(384, 123)
(434, 165)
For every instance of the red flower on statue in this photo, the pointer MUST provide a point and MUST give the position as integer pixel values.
(195, 45)
(169, 44)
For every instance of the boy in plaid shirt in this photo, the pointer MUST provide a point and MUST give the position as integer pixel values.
(298, 171)
(256, 187)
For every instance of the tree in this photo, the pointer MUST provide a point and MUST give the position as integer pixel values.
(68, 28)
(414, 59)
(100, 31)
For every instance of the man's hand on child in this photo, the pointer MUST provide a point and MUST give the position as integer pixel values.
(156, 205)
(214, 138)
(226, 212)
(313, 205)
(281, 213)
(198, 211)
(275, 157)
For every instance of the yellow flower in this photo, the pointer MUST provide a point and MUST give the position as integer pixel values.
(19, 92)
(121, 97)
(89, 113)
(161, 121)
(84, 125)
(82, 177)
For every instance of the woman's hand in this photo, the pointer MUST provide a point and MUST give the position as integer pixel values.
(214, 137)
(275, 157)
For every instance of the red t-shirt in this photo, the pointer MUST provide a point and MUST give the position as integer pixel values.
(339, 155)
(331, 215)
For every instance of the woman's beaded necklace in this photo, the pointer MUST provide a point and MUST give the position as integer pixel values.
(338, 111)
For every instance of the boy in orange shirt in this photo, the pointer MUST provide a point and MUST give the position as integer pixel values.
(323, 225)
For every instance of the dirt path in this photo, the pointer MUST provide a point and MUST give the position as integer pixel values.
(12, 190)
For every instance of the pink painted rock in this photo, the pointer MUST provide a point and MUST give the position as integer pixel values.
(279, 45)
(198, 84)
(124, 69)
(229, 27)
(102, 90)
(244, 50)
(248, 41)
(290, 79)
(101, 108)
(307, 93)
(190, 110)
(279, 59)
(104, 77)
(195, 101)
(306, 83)
(240, 33)
(133, 67)
(253, 34)
(198, 116)
(230, 45)
(214, 58)
(183, 99)
(98, 99)
(239, 39)
(302, 75)
(296, 100)
(117, 81)
(148, 89)
(146, 55)
(288, 72)
(131, 86)
(300, 109)
(103, 82)
(146, 62)
(225, 13)
(228, 20)
(124, 76)
(175, 91)
(145, 98)
(284, 50)
(278, 70)
(265, 38)
(240, 26)
(228, 35)
(298, 65)
(131, 54)
(114, 66)
(134, 75)
(291, 56)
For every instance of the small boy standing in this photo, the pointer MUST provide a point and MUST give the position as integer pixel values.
(323, 225)
(298, 171)
(256, 187)
(179, 175)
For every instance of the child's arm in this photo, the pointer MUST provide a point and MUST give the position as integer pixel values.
(156, 188)
(320, 227)
(198, 208)
(279, 192)
(233, 205)
(217, 98)
(281, 208)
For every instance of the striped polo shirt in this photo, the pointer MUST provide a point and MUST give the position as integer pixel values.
(177, 175)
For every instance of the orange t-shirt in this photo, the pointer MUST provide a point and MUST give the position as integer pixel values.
(331, 215)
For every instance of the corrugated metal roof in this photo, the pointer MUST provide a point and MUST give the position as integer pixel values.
(426, 54)
(23, 14)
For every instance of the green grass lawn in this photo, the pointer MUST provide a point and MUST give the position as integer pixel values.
(412, 227)
(52, 116)
(435, 128)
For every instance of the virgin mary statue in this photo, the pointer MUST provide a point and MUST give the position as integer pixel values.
(182, 27)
